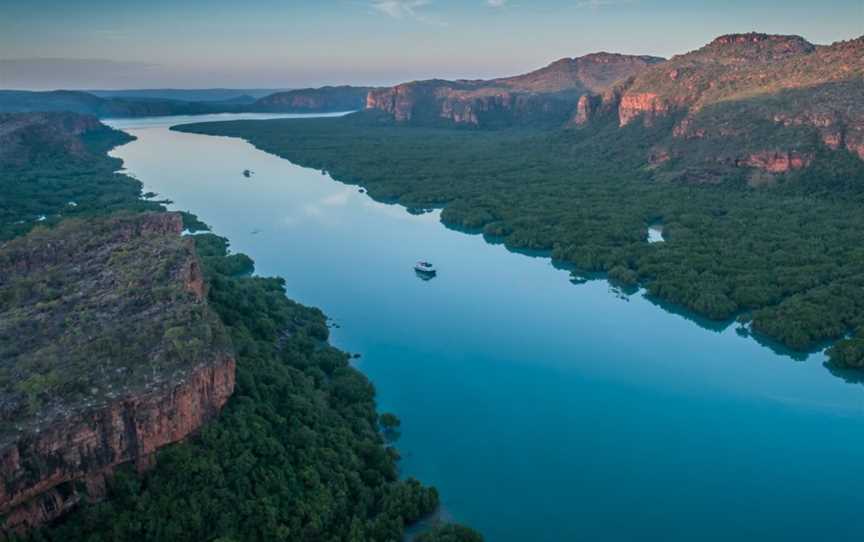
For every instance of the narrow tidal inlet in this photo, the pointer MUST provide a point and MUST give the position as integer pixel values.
(542, 410)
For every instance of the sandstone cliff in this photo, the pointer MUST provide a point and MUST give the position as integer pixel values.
(546, 96)
(115, 354)
(749, 100)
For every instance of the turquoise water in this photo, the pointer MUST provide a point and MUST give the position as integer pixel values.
(542, 410)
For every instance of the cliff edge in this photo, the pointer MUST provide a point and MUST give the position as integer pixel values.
(108, 351)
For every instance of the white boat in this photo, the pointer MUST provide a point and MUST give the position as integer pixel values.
(425, 268)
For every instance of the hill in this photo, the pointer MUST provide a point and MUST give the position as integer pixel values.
(313, 100)
(85, 103)
(322, 100)
(109, 352)
(545, 96)
(765, 103)
(188, 95)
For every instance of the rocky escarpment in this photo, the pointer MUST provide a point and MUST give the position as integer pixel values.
(108, 351)
(314, 100)
(75, 456)
(753, 100)
(721, 68)
(546, 96)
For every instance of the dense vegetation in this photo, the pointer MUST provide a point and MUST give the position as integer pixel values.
(92, 310)
(787, 256)
(52, 184)
(296, 455)
(298, 452)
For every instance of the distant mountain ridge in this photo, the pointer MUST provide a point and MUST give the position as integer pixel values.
(324, 99)
(762, 103)
(547, 95)
(189, 95)
(74, 101)
(320, 100)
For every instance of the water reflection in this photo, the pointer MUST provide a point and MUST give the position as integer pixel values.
(424, 276)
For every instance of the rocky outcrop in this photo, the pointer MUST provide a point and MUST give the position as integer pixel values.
(586, 109)
(43, 475)
(777, 161)
(646, 105)
(130, 360)
(550, 95)
(736, 66)
(796, 95)
(755, 45)
(401, 100)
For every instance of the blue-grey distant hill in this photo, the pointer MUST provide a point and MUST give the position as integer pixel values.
(320, 100)
(191, 95)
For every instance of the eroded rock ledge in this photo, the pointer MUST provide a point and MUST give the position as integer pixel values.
(108, 351)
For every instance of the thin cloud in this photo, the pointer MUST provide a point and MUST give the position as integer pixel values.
(407, 9)
(400, 9)
(596, 4)
(496, 3)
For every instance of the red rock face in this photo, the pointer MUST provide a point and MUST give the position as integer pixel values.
(88, 447)
(586, 109)
(399, 101)
(777, 162)
(647, 105)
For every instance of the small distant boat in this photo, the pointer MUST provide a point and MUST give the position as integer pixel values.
(247, 173)
(425, 268)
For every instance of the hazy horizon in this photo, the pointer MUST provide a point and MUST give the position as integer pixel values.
(94, 44)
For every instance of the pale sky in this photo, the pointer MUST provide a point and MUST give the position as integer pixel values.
(285, 43)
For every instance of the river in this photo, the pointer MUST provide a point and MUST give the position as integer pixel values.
(542, 410)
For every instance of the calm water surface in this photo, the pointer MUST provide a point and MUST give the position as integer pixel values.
(542, 410)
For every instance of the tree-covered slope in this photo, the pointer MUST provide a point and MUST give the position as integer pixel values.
(54, 165)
